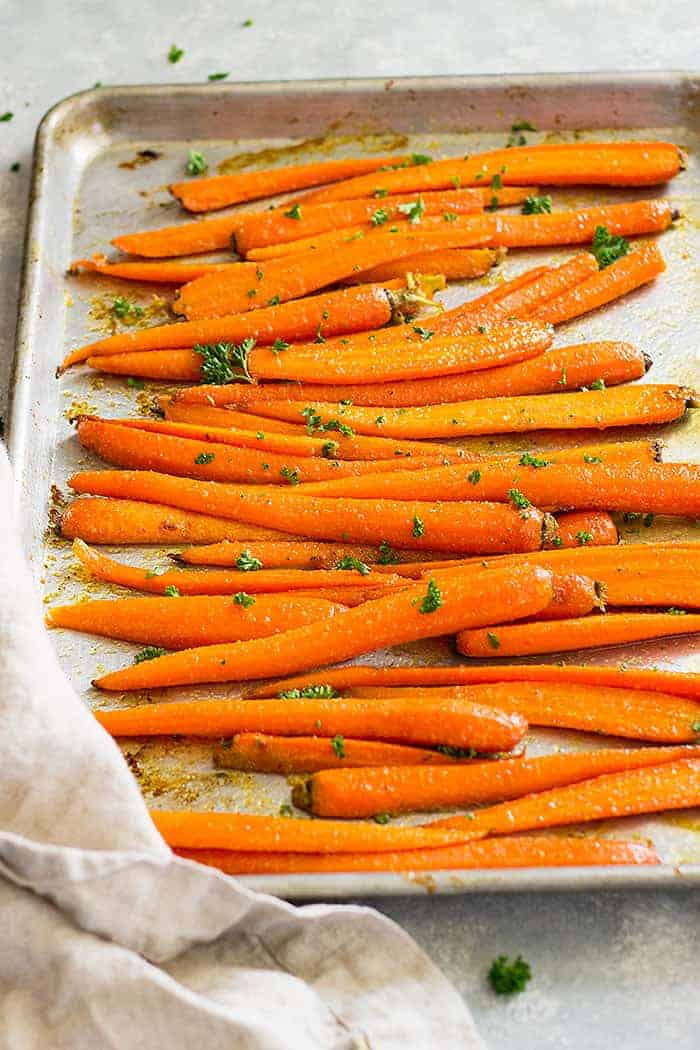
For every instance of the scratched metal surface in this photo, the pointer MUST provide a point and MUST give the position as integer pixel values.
(87, 188)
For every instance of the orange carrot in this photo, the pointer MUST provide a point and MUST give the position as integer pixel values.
(649, 558)
(566, 164)
(592, 409)
(262, 753)
(246, 286)
(563, 368)
(653, 789)
(596, 526)
(406, 615)
(349, 596)
(169, 366)
(131, 521)
(517, 852)
(301, 555)
(574, 595)
(454, 264)
(642, 265)
(216, 192)
(669, 587)
(188, 238)
(348, 310)
(522, 301)
(587, 632)
(175, 582)
(193, 621)
(338, 792)
(457, 723)
(345, 679)
(160, 272)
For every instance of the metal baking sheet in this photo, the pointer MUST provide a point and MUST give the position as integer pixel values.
(91, 182)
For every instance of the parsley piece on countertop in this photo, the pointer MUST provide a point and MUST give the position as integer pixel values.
(432, 600)
(204, 457)
(535, 205)
(506, 977)
(171, 591)
(294, 212)
(247, 562)
(516, 137)
(289, 475)
(175, 53)
(583, 538)
(218, 76)
(607, 248)
(349, 563)
(246, 600)
(123, 309)
(518, 499)
(135, 384)
(418, 527)
(309, 692)
(493, 640)
(386, 554)
(278, 346)
(420, 158)
(196, 163)
(379, 217)
(16, 166)
(225, 362)
(247, 23)
(151, 652)
(5, 117)
(338, 745)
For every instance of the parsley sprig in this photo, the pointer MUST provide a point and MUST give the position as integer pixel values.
(225, 362)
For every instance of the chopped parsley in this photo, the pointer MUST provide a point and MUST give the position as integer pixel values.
(196, 163)
(474, 477)
(413, 210)
(607, 248)
(528, 460)
(379, 217)
(6, 117)
(289, 475)
(673, 611)
(562, 380)
(420, 158)
(278, 346)
(496, 182)
(380, 421)
(424, 333)
(16, 166)
(350, 563)
(123, 309)
(432, 600)
(516, 137)
(507, 977)
(557, 541)
(135, 384)
(309, 692)
(598, 384)
(338, 745)
(583, 538)
(534, 205)
(518, 499)
(285, 809)
(204, 457)
(294, 212)
(247, 23)
(151, 652)
(175, 53)
(493, 640)
(648, 521)
(329, 449)
(381, 818)
(247, 562)
(225, 362)
(386, 554)
(381, 193)
(456, 752)
(450, 216)
(218, 76)
(588, 458)
(274, 301)
(246, 600)
(418, 527)
(171, 591)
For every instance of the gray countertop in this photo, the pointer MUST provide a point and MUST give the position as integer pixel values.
(609, 970)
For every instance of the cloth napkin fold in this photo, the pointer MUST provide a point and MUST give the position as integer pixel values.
(108, 940)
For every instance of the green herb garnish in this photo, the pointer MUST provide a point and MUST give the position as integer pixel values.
(338, 745)
(528, 460)
(386, 554)
(218, 76)
(349, 563)
(508, 977)
(493, 640)
(247, 562)
(175, 53)
(418, 527)
(294, 212)
(196, 163)
(171, 591)
(309, 692)
(518, 499)
(124, 309)
(246, 600)
(225, 362)
(413, 210)
(135, 384)
(379, 217)
(607, 248)
(583, 538)
(432, 600)
(204, 457)
(289, 475)
(424, 333)
(588, 458)
(151, 652)
(535, 205)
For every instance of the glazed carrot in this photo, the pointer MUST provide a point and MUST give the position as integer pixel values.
(218, 294)
(301, 555)
(169, 366)
(678, 588)
(633, 714)
(216, 192)
(349, 596)
(160, 272)
(642, 265)
(204, 411)
(587, 632)
(522, 301)
(193, 621)
(263, 753)
(182, 581)
(568, 164)
(130, 521)
(348, 310)
(390, 620)
(574, 595)
(517, 852)
(455, 264)
(458, 723)
(649, 558)
(345, 679)
(212, 460)
(592, 409)
(653, 789)
(331, 239)
(596, 526)
(363, 792)
(189, 238)
(656, 488)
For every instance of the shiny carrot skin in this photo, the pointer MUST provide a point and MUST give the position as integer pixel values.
(219, 294)
(363, 792)
(672, 586)
(208, 235)
(168, 366)
(653, 789)
(454, 264)
(560, 369)
(390, 620)
(587, 632)
(215, 582)
(403, 720)
(569, 164)
(522, 301)
(218, 191)
(293, 555)
(158, 272)
(345, 679)
(264, 753)
(348, 310)
(642, 265)
(190, 621)
(117, 521)
(592, 409)
(574, 595)
(596, 525)
(517, 852)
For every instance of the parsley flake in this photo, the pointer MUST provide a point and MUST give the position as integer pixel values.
(474, 477)
(196, 163)
(583, 538)
(218, 76)
(424, 333)
(508, 977)
(381, 818)
(534, 205)
(278, 346)
(493, 640)
(413, 210)
(151, 652)
(588, 458)
(175, 53)
(432, 599)
(518, 499)
(338, 745)
(449, 216)
(418, 527)
(171, 591)
(379, 217)
(246, 600)
(225, 362)
(294, 212)
(135, 384)
(386, 554)
(607, 248)
(247, 562)
(204, 457)
(6, 117)
(528, 460)
(598, 384)
(349, 563)
(126, 310)
(289, 475)
(309, 692)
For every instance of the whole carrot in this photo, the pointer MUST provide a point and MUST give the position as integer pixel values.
(587, 632)
(208, 235)
(402, 789)
(159, 272)
(595, 527)
(517, 852)
(407, 721)
(192, 621)
(304, 554)
(264, 753)
(407, 615)
(454, 264)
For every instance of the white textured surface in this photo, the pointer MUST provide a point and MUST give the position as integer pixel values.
(609, 971)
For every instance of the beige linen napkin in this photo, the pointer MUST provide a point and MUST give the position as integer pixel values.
(108, 940)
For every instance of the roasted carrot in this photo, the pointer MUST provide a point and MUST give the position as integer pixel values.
(189, 238)
(455, 264)
(345, 679)
(216, 192)
(522, 301)
(349, 792)
(587, 632)
(633, 714)
(563, 368)
(642, 265)
(159, 272)
(263, 753)
(301, 555)
(675, 587)
(574, 595)
(458, 723)
(212, 460)
(517, 852)
(190, 582)
(219, 294)
(650, 558)
(568, 164)
(191, 621)
(131, 521)
(406, 615)
(349, 596)
(647, 488)
(169, 366)
(653, 789)
(348, 310)
(592, 409)
(596, 527)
